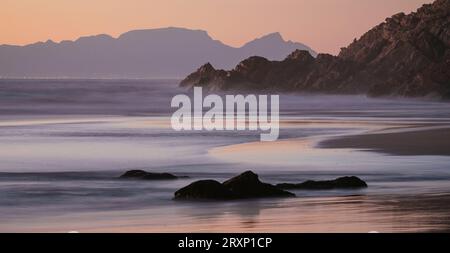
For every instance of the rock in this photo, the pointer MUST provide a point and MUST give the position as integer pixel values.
(247, 185)
(204, 189)
(243, 186)
(339, 183)
(205, 75)
(407, 55)
(140, 174)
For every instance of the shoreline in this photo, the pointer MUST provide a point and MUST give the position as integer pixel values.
(418, 142)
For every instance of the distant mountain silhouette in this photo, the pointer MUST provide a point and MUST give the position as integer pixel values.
(152, 53)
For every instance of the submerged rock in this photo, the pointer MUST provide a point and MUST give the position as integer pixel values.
(141, 174)
(245, 185)
(248, 185)
(338, 183)
(205, 189)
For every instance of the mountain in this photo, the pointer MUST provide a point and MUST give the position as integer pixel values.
(153, 53)
(407, 55)
(272, 46)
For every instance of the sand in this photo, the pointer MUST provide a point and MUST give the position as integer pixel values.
(358, 213)
(409, 142)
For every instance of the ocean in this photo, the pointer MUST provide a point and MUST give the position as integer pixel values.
(65, 142)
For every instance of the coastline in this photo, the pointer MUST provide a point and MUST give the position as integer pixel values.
(407, 142)
(71, 163)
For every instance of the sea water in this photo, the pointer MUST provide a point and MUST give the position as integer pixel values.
(64, 143)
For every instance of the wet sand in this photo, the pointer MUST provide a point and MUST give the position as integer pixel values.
(397, 213)
(409, 142)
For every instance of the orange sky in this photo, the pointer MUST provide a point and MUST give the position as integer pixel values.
(325, 25)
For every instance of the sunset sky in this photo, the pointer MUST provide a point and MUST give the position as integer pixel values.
(325, 25)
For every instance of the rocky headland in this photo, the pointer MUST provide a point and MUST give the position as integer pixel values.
(407, 55)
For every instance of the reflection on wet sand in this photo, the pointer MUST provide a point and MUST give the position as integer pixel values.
(425, 213)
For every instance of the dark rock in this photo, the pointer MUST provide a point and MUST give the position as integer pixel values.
(243, 186)
(339, 183)
(140, 174)
(205, 189)
(247, 185)
(407, 55)
(205, 75)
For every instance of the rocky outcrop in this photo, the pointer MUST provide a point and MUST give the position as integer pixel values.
(206, 75)
(339, 183)
(407, 55)
(248, 185)
(205, 189)
(140, 174)
(244, 186)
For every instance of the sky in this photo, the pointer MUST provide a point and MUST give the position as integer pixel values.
(324, 25)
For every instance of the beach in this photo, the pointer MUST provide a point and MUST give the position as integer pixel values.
(416, 141)
(61, 162)
(356, 214)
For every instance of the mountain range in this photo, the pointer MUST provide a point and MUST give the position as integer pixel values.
(407, 55)
(152, 53)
